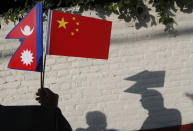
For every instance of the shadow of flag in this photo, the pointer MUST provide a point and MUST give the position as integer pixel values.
(146, 79)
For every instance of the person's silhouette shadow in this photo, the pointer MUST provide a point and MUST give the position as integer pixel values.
(96, 121)
(189, 95)
(153, 101)
(159, 116)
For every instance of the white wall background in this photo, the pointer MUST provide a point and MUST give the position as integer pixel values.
(86, 85)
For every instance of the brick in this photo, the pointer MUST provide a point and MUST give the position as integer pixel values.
(50, 61)
(61, 84)
(32, 76)
(91, 93)
(13, 78)
(11, 85)
(31, 83)
(5, 73)
(63, 73)
(50, 80)
(58, 67)
(50, 73)
(81, 63)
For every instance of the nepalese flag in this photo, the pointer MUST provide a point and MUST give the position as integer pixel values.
(29, 55)
(78, 36)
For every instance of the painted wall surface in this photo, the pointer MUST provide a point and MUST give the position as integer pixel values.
(147, 81)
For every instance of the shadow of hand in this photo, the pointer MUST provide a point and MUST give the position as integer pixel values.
(47, 98)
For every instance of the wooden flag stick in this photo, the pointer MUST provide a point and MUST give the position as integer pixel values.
(46, 50)
(43, 73)
(41, 80)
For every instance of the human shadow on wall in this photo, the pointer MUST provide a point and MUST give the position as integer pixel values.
(153, 101)
(96, 121)
(189, 95)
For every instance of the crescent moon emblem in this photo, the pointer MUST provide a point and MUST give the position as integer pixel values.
(27, 32)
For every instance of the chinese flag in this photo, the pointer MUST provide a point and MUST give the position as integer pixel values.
(78, 36)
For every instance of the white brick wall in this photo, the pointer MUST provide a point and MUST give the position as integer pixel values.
(86, 85)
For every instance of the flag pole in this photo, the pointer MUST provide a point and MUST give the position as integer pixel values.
(41, 80)
(43, 73)
(46, 46)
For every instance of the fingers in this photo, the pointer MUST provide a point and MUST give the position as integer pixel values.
(48, 91)
(40, 95)
(41, 92)
(47, 98)
(37, 93)
(39, 100)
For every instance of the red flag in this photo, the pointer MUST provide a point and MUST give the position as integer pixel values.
(78, 36)
(29, 54)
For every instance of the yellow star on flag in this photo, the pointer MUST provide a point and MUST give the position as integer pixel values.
(62, 23)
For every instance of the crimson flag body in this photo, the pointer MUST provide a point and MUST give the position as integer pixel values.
(29, 54)
(78, 36)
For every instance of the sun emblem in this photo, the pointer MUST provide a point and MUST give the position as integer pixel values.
(27, 57)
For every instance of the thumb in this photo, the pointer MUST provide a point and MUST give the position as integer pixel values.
(48, 91)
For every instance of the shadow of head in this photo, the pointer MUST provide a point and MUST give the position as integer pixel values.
(145, 80)
(189, 95)
(156, 101)
(96, 119)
